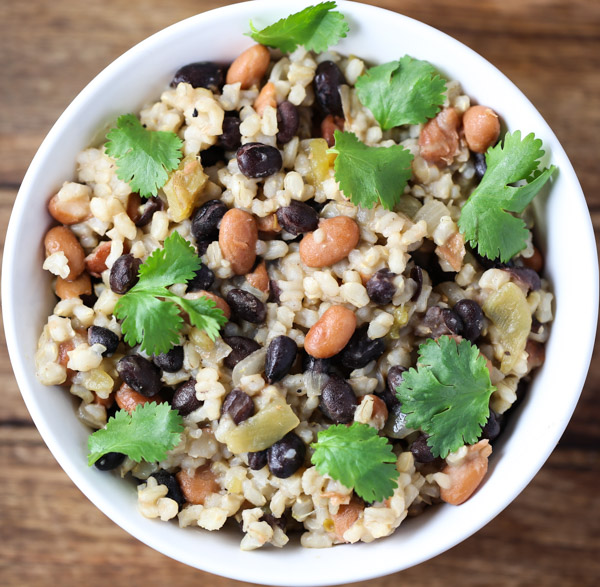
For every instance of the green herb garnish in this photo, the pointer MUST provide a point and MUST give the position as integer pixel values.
(145, 434)
(358, 458)
(151, 313)
(485, 219)
(370, 175)
(408, 91)
(315, 28)
(448, 395)
(144, 157)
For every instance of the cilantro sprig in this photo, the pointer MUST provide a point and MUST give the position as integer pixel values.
(407, 91)
(145, 434)
(358, 458)
(144, 157)
(151, 313)
(485, 219)
(448, 395)
(370, 175)
(315, 28)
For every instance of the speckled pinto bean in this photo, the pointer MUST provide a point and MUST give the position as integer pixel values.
(330, 243)
(73, 289)
(95, 262)
(467, 476)
(438, 140)
(267, 97)
(249, 67)
(196, 487)
(238, 234)
(69, 211)
(128, 399)
(218, 300)
(62, 239)
(482, 128)
(331, 333)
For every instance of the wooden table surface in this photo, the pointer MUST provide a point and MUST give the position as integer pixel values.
(50, 533)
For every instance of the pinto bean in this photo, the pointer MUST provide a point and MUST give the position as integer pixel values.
(199, 485)
(267, 97)
(127, 399)
(73, 289)
(95, 262)
(62, 239)
(439, 138)
(69, 210)
(268, 224)
(536, 354)
(259, 278)
(330, 243)
(466, 477)
(535, 262)
(238, 234)
(482, 128)
(218, 300)
(249, 67)
(331, 333)
(346, 515)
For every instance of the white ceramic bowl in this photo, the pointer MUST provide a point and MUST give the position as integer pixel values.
(565, 233)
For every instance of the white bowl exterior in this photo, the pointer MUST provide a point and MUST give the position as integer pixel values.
(377, 36)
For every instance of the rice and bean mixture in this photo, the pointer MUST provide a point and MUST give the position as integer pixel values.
(327, 302)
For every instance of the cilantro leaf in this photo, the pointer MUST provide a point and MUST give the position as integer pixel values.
(315, 28)
(370, 175)
(145, 434)
(408, 91)
(358, 458)
(484, 219)
(143, 157)
(150, 313)
(177, 262)
(448, 395)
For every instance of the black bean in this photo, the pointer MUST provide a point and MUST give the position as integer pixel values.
(203, 74)
(202, 247)
(338, 401)
(140, 374)
(273, 521)
(298, 218)
(286, 456)
(274, 291)
(167, 393)
(147, 210)
(257, 460)
(395, 426)
(480, 165)
(492, 427)
(206, 220)
(203, 280)
(421, 450)
(103, 336)
(281, 355)
(487, 263)
(124, 273)
(184, 399)
(428, 261)
(246, 306)
(170, 361)
(527, 276)
(231, 138)
(416, 274)
(471, 315)
(258, 160)
(109, 461)
(361, 350)
(288, 121)
(327, 82)
(238, 405)
(212, 156)
(241, 347)
(310, 363)
(170, 482)
(395, 377)
(440, 321)
(381, 288)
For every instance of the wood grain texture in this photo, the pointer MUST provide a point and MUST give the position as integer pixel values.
(49, 533)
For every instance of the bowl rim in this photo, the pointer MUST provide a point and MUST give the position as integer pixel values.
(10, 293)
